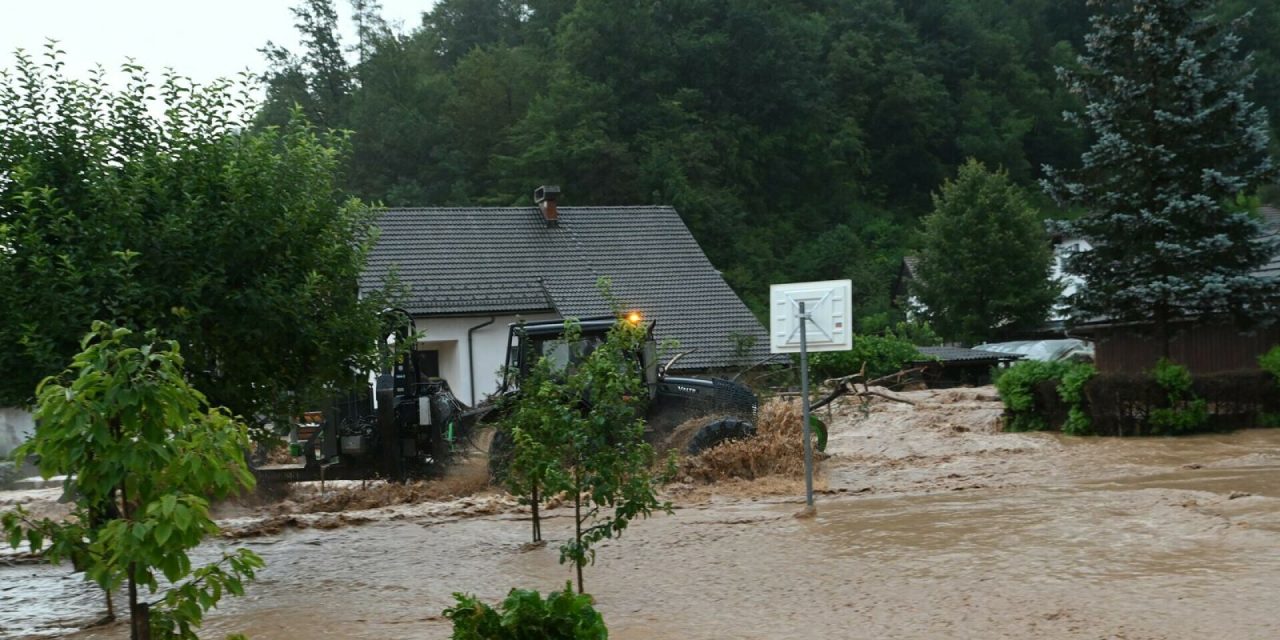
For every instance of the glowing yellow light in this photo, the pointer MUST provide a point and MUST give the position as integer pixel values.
(633, 317)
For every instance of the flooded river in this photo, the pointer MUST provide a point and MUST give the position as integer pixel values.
(990, 536)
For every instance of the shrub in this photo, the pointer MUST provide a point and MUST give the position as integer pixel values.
(1123, 404)
(1017, 389)
(1270, 362)
(1184, 411)
(883, 356)
(524, 614)
(1071, 390)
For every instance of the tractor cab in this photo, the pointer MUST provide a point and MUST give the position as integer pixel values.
(725, 409)
(528, 343)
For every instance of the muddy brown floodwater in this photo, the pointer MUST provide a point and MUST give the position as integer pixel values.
(933, 525)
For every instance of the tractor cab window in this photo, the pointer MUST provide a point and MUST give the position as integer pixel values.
(564, 356)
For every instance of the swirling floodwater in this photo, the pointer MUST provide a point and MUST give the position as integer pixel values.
(932, 525)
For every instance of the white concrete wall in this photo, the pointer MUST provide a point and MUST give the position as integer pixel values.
(489, 350)
(16, 425)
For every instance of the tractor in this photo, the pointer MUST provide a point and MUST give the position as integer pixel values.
(727, 407)
(400, 425)
(405, 426)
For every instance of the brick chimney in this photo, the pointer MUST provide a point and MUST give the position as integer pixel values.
(545, 197)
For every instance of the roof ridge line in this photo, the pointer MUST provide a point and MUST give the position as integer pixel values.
(523, 208)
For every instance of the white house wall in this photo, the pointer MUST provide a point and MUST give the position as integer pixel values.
(16, 425)
(489, 350)
(1070, 283)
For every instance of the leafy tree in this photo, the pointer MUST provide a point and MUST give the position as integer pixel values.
(320, 81)
(607, 463)
(238, 244)
(580, 430)
(370, 26)
(762, 122)
(1176, 141)
(460, 26)
(537, 417)
(146, 453)
(986, 260)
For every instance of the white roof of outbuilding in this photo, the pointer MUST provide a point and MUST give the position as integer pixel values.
(1043, 350)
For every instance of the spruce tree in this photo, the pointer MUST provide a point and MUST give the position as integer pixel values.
(1176, 142)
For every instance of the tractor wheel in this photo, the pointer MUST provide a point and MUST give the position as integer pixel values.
(722, 430)
(501, 449)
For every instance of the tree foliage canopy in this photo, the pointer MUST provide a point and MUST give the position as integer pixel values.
(762, 122)
(146, 454)
(783, 131)
(985, 266)
(1177, 142)
(579, 430)
(238, 244)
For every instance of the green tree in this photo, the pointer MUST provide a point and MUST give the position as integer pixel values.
(579, 430)
(758, 120)
(985, 264)
(538, 416)
(320, 80)
(146, 454)
(606, 462)
(1176, 141)
(238, 244)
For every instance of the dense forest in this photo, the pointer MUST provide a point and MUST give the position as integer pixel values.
(799, 139)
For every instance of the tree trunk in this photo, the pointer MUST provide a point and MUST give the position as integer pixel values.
(533, 501)
(139, 612)
(577, 530)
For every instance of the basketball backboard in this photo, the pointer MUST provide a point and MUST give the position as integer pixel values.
(829, 305)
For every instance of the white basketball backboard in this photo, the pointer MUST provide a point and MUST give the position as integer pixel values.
(829, 305)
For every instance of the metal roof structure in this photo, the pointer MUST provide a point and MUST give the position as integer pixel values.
(479, 260)
(1049, 350)
(960, 354)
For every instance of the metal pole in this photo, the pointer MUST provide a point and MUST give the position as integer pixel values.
(804, 403)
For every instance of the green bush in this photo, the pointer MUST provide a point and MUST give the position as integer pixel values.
(1184, 412)
(1270, 362)
(1071, 390)
(563, 615)
(1016, 385)
(883, 355)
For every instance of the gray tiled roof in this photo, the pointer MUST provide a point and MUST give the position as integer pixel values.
(961, 354)
(912, 265)
(473, 261)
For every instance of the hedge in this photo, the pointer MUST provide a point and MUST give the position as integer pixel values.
(1167, 400)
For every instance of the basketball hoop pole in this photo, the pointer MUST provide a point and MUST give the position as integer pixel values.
(804, 404)
(828, 306)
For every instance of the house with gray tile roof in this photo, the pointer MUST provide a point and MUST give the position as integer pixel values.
(470, 272)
